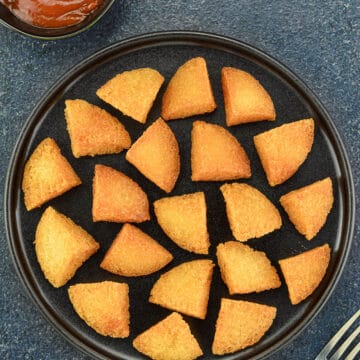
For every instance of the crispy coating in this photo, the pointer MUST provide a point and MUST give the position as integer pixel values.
(250, 213)
(282, 150)
(183, 219)
(245, 270)
(104, 306)
(117, 198)
(156, 155)
(185, 288)
(47, 175)
(189, 91)
(303, 273)
(93, 131)
(309, 206)
(134, 253)
(61, 246)
(245, 98)
(216, 154)
(132, 92)
(241, 324)
(169, 339)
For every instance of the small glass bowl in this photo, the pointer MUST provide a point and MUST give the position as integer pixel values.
(8, 19)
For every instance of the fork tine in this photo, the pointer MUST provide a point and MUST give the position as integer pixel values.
(333, 341)
(346, 344)
(353, 352)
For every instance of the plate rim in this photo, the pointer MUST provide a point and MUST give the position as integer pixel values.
(187, 38)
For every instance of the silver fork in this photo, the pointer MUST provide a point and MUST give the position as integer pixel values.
(330, 346)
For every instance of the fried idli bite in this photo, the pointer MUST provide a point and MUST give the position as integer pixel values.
(241, 324)
(47, 175)
(282, 150)
(93, 131)
(245, 98)
(61, 246)
(169, 339)
(216, 155)
(134, 253)
(185, 288)
(132, 92)
(309, 206)
(189, 92)
(245, 270)
(183, 219)
(250, 213)
(156, 155)
(118, 198)
(304, 272)
(104, 306)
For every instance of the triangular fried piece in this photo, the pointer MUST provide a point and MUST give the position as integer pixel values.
(132, 92)
(241, 324)
(134, 253)
(183, 219)
(61, 246)
(185, 288)
(104, 306)
(245, 270)
(282, 150)
(156, 155)
(93, 131)
(117, 198)
(250, 213)
(47, 175)
(304, 272)
(309, 206)
(245, 98)
(216, 154)
(189, 92)
(169, 339)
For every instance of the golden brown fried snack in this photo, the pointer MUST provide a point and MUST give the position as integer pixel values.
(185, 288)
(156, 155)
(189, 92)
(104, 306)
(183, 219)
(245, 98)
(241, 324)
(282, 150)
(169, 339)
(303, 273)
(250, 213)
(245, 270)
(216, 154)
(93, 131)
(132, 92)
(61, 246)
(117, 198)
(134, 253)
(47, 175)
(309, 206)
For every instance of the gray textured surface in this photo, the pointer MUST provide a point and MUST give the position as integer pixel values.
(319, 41)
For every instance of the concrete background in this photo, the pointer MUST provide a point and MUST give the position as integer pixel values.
(318, 40)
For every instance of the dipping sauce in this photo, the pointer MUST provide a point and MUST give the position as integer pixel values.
(52, 13)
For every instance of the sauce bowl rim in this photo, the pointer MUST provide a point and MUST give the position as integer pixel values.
(14, 23)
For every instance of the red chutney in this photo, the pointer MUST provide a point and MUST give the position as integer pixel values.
(52, 13)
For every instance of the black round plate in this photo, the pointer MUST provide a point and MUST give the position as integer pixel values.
(166, 52)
